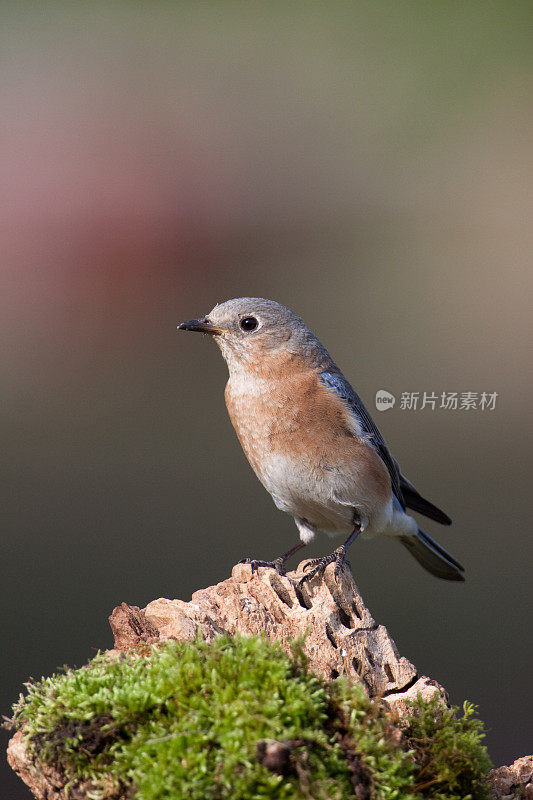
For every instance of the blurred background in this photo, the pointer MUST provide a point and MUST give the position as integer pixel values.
(369, 165)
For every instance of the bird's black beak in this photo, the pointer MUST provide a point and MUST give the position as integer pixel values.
(202, 325)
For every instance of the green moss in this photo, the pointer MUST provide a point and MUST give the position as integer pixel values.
(183, 720)
(451, 762)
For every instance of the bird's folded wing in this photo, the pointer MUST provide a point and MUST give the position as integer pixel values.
(336, 382)
(413, 499)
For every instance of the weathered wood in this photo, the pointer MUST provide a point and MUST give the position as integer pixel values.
(340, 637)
(340, 634)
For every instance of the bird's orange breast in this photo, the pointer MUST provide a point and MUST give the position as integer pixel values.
(282, 409)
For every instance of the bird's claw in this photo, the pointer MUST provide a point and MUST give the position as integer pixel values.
(278, 564)
(318, 565)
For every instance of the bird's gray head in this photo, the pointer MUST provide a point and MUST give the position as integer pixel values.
(247, 328)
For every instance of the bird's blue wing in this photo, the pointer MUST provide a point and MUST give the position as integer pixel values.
(336, 382)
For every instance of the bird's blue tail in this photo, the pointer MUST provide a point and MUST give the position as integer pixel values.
(433, 557)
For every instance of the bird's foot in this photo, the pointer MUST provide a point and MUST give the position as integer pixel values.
(318, 565)
(278, 564)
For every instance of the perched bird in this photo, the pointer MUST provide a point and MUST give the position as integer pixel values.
(311, 441)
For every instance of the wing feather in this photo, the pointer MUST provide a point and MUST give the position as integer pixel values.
(404, 490)
(336, 382)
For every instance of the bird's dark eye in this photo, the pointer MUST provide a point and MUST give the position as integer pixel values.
(249, 323)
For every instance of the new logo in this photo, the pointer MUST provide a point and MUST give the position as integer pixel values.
(384, 400)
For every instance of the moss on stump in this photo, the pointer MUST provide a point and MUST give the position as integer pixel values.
(237, 718)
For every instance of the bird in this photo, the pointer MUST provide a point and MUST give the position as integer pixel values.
(311, 441)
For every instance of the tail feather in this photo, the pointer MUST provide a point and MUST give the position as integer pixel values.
(433, 557)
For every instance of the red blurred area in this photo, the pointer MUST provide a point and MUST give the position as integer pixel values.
(104, 206)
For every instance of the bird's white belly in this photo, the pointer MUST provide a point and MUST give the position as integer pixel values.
(301, 489)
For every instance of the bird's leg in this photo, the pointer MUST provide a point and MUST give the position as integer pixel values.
(338, 556)
(278, 564)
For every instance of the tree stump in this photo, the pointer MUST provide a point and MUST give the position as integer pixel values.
(339, 636)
